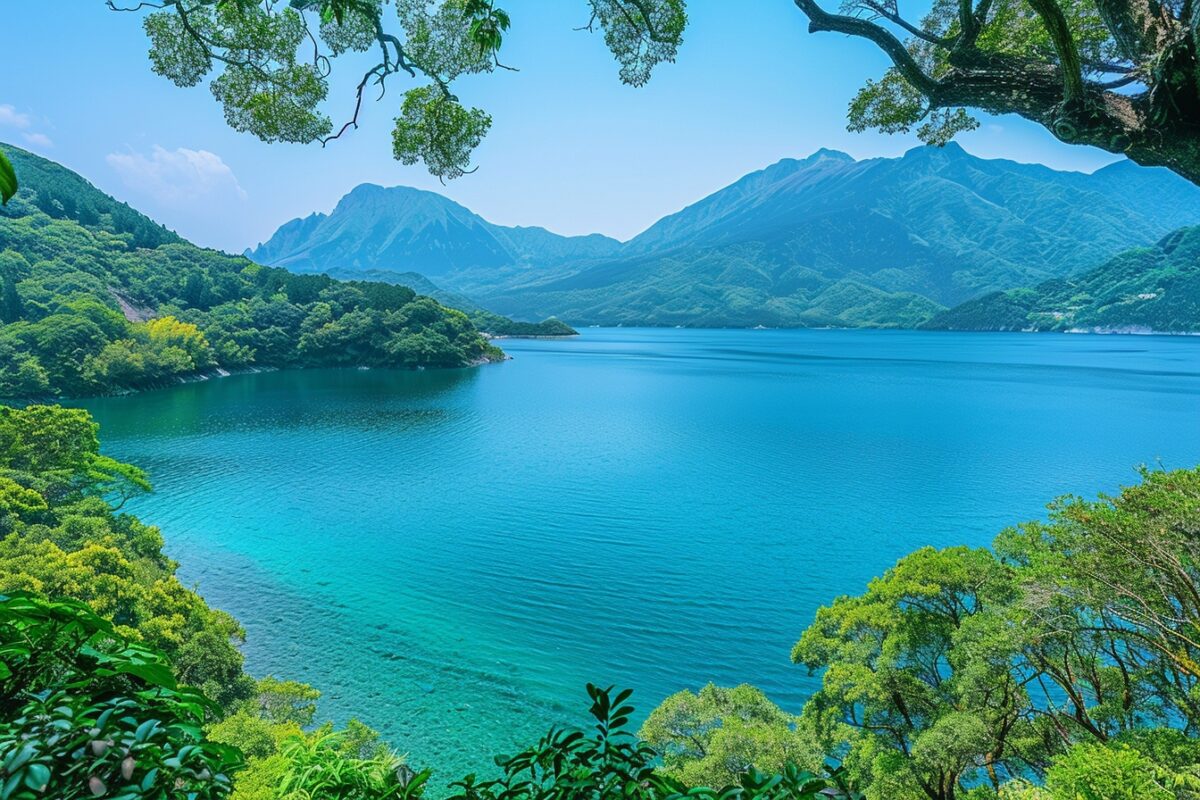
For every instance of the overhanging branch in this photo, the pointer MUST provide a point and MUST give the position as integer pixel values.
(821, 20)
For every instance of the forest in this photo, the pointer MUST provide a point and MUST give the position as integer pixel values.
(96, 299)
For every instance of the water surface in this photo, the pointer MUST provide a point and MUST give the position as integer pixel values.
(451, 555)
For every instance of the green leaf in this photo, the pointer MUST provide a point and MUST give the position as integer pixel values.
(37, 776)
(8, 180)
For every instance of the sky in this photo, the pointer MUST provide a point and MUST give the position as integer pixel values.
(571, 148)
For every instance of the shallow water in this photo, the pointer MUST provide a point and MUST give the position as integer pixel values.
(451, 555)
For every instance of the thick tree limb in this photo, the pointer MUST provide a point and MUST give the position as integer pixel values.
(821, 20)
(1140, 27)
(1064, 45)
(1112, 121)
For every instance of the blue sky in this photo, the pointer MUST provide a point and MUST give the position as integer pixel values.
(570, 149)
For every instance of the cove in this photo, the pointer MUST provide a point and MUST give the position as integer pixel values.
(451, 555)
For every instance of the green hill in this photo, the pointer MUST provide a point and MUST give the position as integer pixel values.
(491, 324)
(97, 298)
(1141, 290)
(62, 194)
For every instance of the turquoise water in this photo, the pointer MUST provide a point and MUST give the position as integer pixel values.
(451, 555)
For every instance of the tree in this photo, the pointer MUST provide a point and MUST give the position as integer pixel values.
(1120, 75)
(1065, 655)
(612, 762)
(717, 736)
(1124, 572)
(275, 61)
(917, 698)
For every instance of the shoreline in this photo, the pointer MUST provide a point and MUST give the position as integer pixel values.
(222, 372)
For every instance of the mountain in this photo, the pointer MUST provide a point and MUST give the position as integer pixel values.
(97, 298)
(1140, 290)
(63, 194)
(409, 230)
(825, 240)
(833, 241)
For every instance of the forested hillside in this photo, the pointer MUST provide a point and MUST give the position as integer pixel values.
(96, 298)
(1141, 290)
(491, 324)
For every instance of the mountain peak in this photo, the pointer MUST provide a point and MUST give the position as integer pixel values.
(827, 153)
(948, 150)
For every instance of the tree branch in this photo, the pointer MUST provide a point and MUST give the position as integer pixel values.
(1064, 45)
(821, 20)
(1139, 27)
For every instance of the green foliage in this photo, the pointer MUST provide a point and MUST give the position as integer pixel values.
(87, 713)
(8, 180)
(1065, 655)
(85, 312)
(611, 762)
(1007, 29)
(717, 736)
(62, 538)
(436, 129)
(274, 72)
(318, 766)
(1093, 770)
(1147, 289)
(912, 694)
(641, 35)
(265, 88)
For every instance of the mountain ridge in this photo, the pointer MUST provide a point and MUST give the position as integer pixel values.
(909, 236)
(311, 244)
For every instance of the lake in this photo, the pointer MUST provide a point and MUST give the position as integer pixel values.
(451, 555)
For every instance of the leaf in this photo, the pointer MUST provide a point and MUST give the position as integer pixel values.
(37, 776)
(8, 180)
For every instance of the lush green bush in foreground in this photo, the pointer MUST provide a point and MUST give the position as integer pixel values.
(1060, 665)
(85, 713)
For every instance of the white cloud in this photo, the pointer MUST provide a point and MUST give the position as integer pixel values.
(23, 122)
(175, 177)
(11, 118)
(38, 139)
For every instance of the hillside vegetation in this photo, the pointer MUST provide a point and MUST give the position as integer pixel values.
(96, 298)
(1141, 290)
(489, 323)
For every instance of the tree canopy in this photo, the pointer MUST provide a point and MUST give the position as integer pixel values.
(1064, 659)
(95, 298)
(1120, 75)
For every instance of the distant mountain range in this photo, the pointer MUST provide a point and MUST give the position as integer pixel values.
(826, 240)
(1143, 290)
(409, 230)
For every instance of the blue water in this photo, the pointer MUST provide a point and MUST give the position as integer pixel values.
(451, 555)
